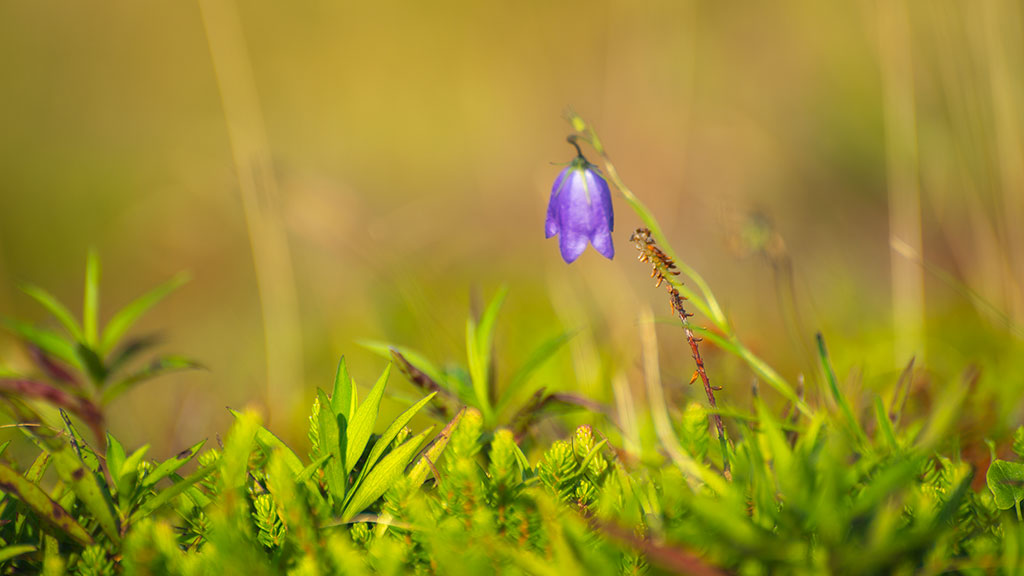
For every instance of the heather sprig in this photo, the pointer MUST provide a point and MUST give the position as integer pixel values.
(664, 267)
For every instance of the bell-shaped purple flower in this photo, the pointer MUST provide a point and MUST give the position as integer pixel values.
(580, 211)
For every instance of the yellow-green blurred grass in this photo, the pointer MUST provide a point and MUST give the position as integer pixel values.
(412, 146)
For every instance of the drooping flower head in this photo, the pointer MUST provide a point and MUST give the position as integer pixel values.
(580, 210)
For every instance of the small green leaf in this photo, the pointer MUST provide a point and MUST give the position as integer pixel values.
(115, 456)
(1018, 442)
(271, 444)
(307, 472)
(382, 476)
(53, 561)
(82, 449)
(46, 341)
(419, 472)
(479, 341)
(234, 460)
(129, 350)
(853, 426)
(8, 552)
(589, 456)
(390, 433)
(1006, 481)
(54, 306)
(48, 510)
(126, 476)
(38, 467)
(89, 490)
(477, 368)
(93, 364)
(130, 466)
(489, 318)
(885, 424)
(411, 356)
(165, 468)
(180, 485)
(331, 437)
(127, 316)
(343, 398)
(159, 367)
(91, 305)
(195, 495)
(361, 426)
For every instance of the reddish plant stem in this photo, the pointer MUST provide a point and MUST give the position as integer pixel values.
(677, 306)
(662, 267)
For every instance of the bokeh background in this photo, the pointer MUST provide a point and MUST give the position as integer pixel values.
(376, 170)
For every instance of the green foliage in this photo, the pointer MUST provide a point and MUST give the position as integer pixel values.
(812, 489)
(83, 370)
(94, 562)
(340, 431)
(1006, 481)
(802, 499)
(475, 384)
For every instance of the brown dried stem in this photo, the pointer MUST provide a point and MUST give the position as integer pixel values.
(661, 267)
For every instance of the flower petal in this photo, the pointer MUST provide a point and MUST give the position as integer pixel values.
(552, 224)
(601, 198)
(572, 245)
(602, 241)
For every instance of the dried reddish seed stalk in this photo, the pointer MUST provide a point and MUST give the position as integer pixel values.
(661, 267)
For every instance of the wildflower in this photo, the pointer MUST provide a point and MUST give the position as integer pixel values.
(580, 210)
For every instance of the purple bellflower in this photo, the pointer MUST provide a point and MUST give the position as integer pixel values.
(580, 210)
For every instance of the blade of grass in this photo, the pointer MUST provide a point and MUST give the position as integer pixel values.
(830, 377)
(479, 340)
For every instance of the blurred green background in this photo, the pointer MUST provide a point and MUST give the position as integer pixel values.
(399, 157)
